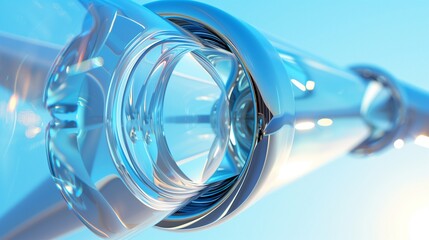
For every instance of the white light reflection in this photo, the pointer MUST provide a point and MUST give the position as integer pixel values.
(310, 85)
(85, 66)
(304, 125)
(325, 122)
(287, 58)
(422, 140)
(418, 225)
(232, 138)
(372, 91)
(192, 158)
(192, 78)
(32, 132)
(206, 98)
(298, 84)
(398, 144)
(13, 101)
(294, 170)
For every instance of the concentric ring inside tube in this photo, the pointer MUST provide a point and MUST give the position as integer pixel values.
(271, 97)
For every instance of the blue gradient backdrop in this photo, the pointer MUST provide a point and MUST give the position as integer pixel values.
(385, 196)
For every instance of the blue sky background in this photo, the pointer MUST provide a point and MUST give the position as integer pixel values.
(385, 196)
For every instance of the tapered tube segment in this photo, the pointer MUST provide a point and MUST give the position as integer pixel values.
(329, 119)
(361, 111)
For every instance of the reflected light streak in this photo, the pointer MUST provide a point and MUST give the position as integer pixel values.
(371, 93)
(325, 122)
(192, 158)
(232, 138)
(13, 101)
(287, 57)
(422, 140)
(25, 78)
(192, 78)
(205, 98)
(85, 66)
(32, 132)
(304, 125)
(298, 84)
(398, 144)
(310, 85)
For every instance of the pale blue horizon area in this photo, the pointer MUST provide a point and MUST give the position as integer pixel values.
(385, 196)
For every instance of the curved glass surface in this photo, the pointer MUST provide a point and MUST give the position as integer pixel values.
(139, 119)
(195, 111)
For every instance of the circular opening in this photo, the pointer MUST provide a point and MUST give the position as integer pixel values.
(177, 116)
(186, 121)
(243, 125)
(195, 117)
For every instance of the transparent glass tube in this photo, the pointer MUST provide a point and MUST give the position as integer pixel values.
(360, 111)
(155, 135)
(329, 118)
(147, 120)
